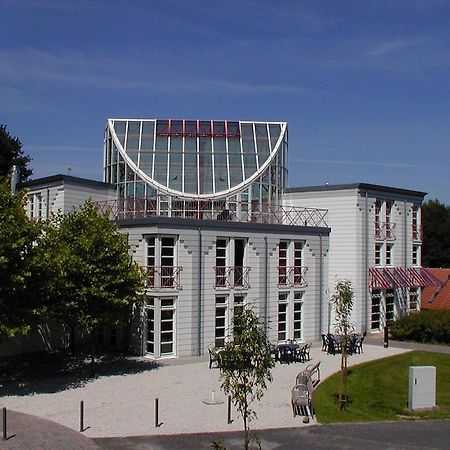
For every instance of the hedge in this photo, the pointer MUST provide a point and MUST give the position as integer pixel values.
(425, 326)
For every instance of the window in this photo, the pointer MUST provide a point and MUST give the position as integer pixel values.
(230, 269)
(413, 299)
(416, 255)
(376, 310)
(221, 261)
(390, 305)
(389, 249)
(35, 206)
(282, 316)
(221, 321)
(282, 262)
(226, 308)
(291, 272)
(378, 254)
(162, 271)
(160, 326)
(290, 315)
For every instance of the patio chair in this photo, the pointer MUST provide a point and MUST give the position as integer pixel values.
(214, 358)
(285, 354)
(301, 395)
(359, 345)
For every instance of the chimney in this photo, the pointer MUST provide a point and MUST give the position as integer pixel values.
(14, 179)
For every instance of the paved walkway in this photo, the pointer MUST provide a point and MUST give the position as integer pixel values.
(378, 340)
(26, 432)
(430, 435)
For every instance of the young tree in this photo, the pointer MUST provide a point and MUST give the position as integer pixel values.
(246, 365)
(11, 153)
(18, 236)
(342, 300)
(436, 235)
(92, 280)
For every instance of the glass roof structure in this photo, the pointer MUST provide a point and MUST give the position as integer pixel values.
(196, 158)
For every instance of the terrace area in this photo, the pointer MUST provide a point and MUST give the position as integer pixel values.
(224, 209)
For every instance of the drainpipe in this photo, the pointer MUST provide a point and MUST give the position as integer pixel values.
(405, 256)
(14, 179)
(320, 284)
(366, 274)
(266, 284)
(47, 204)
(199, 323)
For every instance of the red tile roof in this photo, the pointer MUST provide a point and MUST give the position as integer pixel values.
(437, 297)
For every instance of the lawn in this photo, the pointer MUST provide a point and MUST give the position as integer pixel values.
(378, 390)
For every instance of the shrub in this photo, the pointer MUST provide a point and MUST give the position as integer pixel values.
(424, 326)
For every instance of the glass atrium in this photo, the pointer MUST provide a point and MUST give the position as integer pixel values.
(197, 159)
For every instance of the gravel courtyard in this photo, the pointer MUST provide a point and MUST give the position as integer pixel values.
(123, 404)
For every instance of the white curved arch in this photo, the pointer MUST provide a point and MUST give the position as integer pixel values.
(218, 195)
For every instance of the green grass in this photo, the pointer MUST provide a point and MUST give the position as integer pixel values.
(378, 390)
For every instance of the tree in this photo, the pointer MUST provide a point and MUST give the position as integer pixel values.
(11, 154)
(342, 300)
(18, 237)
(92, 280)
(436, 234)
(246, 365)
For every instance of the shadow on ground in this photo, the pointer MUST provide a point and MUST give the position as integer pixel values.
(39, 373)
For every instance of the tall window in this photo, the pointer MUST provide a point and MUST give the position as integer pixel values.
(290, 315)
(413, 299)
(230, 269)
(226, 308)
(416, 255)
(376, 310)
(291, 272)
(162, 271)
(378, 254)
(221, 261)
(282, 262)
(389, 256)
(160, 326)
(283, 315)
(390, 305)
(221, 320)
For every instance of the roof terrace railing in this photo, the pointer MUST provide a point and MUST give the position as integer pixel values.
(225, 210)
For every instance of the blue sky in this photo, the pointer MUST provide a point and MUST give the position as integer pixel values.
(364, 85)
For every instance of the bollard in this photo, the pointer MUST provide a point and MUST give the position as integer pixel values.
(229, 409)
(5, 434)
(386, 337)
(156, 412)
(81, 416)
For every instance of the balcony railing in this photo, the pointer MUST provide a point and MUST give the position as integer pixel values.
(232, 276)
(385, 230)
(163, 277)
(292, 276)
(417, 232)
(226, 210)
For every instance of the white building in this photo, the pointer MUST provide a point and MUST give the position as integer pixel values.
(209, 217)
(376, 240)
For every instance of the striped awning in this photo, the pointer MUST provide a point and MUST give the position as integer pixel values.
(399, 277)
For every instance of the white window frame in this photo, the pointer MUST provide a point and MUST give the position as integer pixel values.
(289, 300)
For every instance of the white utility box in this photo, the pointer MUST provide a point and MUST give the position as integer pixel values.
(422, 387)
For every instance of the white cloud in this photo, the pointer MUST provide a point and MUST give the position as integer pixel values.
(393, 45)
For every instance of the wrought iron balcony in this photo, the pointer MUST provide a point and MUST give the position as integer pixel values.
(385, 230)
(225, 209)
(232, 276)
(163, 277)
(292, 276)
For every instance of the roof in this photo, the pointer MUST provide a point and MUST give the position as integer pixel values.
(197, 158)
(437, 297)
(62, 179)
(360, 186)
